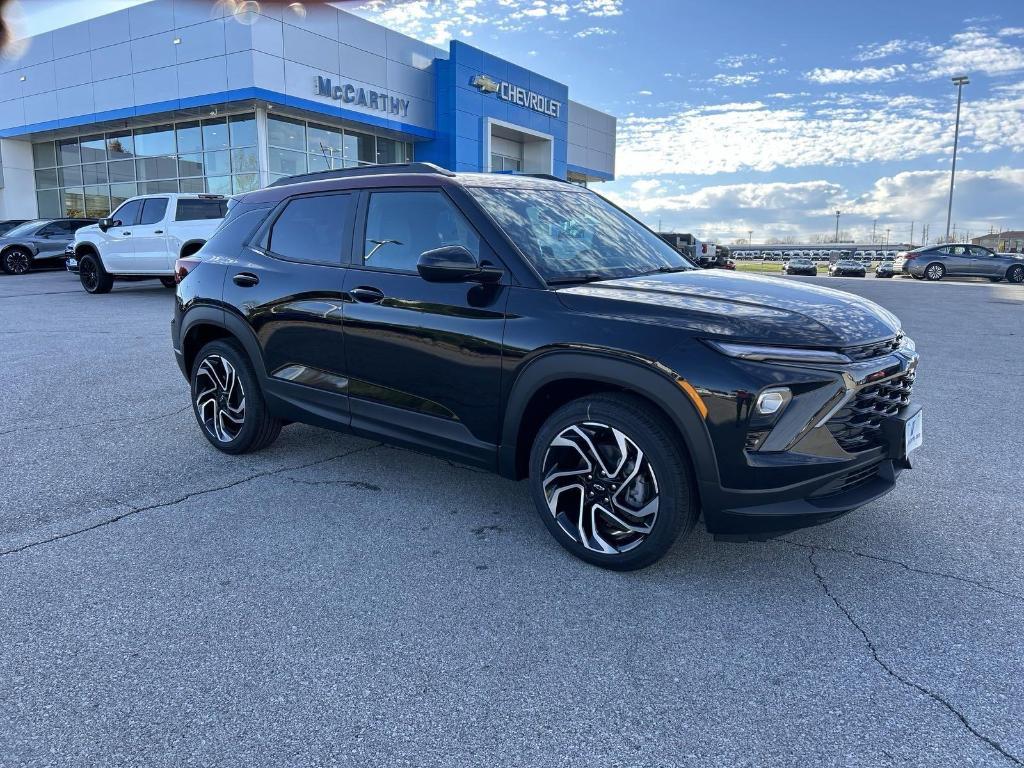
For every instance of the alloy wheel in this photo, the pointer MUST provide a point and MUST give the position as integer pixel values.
(935, 272)
(600, 487)
(88, 275)
(16, 261)
(219, 398)
(1016, 275)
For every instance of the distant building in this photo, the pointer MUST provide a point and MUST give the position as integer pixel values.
(1003, 242)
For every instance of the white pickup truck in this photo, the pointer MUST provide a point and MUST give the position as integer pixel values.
(143, 238)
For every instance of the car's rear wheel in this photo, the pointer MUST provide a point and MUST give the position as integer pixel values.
(934, 271)
(612, 481)
(93, 277)
(227, 400)
(1015, 274)
(16, 261)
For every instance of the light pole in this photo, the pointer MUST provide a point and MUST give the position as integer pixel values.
(959, 82)
(837, 226)
(750, 237)
(874, 225)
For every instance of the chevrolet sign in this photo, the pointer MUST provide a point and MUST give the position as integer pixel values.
(515, 94)
(361, 97)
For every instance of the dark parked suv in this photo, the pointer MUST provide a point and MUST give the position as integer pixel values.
(528, 326)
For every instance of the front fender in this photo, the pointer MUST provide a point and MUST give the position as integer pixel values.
(641, 377)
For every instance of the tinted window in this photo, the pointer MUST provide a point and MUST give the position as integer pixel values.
(236, 230)
(153, 210)
(311, 229)
(199, 208)
(51, 229)
(572, 234)
(127, 213)
(402, 225)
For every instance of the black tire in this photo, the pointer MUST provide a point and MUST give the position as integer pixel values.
(93, 277)
(674, 488)
(258, 427)
(934, 272)
(16, 261)
(168, 282)
(1015, 274)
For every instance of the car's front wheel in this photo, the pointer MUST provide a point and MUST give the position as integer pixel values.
(934, 271)
(612, 481)
(16, 261)
(227, 400)
(1015, 274)
(93, 277)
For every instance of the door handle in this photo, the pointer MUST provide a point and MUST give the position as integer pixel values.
(367, 295)
(126, 234)
(158, 232)
(245, 279)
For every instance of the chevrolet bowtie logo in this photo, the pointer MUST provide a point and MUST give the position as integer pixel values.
(485, 84)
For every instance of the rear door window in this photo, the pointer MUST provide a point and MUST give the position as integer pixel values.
(312, 229)
(153, 210)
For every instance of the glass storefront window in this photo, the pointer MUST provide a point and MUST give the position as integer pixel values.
(243, 130)
(70, 176)
(190, 165)
(120, 145)
(121, 170)
(244, 160)
(190, 137)
(287, 162)
(74, 202)
(286, 133)
(94, 149)
(216, 155)
(215, 134)
(44, 155)
(360, 148)
(49, 203)
(68, 152)
(218, 163)
(46, 178)
(94, 173)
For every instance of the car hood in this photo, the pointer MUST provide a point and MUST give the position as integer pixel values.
(87, 230)
(748, 307)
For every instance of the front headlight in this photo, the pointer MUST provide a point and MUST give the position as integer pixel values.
(907, 344)
(761, 353)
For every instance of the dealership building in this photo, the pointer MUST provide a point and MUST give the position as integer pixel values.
(182, 95)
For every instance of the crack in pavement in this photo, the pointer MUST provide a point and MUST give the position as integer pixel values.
(898, 677)
(913, 569)
(133, 510)
(127, 420)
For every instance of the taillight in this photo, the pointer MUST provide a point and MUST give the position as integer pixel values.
(183, 266)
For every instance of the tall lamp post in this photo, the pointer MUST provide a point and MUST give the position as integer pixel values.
(837, 226)
(959, 82)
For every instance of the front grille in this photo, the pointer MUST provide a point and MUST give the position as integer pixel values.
(857, 426)
(871, 351)
(849, 481)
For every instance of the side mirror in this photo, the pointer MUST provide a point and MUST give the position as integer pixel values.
(454, 264)
(105, 223)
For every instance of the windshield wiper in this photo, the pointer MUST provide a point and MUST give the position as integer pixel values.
(590, 277)
(666, 270)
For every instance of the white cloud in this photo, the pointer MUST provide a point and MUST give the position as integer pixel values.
(827, 76)
(590, 31)
(748, 79)
(974, 52)
(437, 21)
(802, 209)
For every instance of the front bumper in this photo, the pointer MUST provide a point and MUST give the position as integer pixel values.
(799, 473)
(70, 261)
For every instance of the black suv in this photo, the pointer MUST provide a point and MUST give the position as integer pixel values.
(530, 327)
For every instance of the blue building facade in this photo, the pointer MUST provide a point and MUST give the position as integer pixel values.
(179, 95)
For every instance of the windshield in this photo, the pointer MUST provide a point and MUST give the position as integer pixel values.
(576, 236)
(27, 228)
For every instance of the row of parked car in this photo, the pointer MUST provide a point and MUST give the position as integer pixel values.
(140, 240)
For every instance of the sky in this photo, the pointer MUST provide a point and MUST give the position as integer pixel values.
(739, 117)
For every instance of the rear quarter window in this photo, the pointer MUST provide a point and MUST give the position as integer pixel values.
(235, 231)
(199, 209)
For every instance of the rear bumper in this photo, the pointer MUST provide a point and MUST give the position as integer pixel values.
(767, 513)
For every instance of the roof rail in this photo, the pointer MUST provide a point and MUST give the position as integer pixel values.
(364, 170)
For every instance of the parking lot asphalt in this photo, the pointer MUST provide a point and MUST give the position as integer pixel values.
(331, 601)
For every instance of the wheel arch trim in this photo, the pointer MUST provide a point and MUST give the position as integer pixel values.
(220, 318)
(641, 378)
